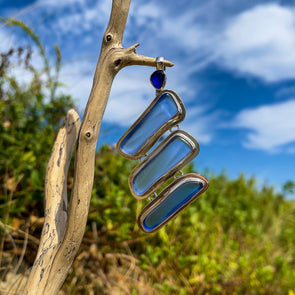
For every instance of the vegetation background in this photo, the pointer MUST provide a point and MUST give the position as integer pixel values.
(235, 239)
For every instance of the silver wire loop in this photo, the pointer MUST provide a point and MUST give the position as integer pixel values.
(152, 197)
(142, 158)
(175, 175)
(177, 128)
(160, 63)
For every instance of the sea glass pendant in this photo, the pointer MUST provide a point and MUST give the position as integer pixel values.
(158, 79)
(177, 150)
(171, 201)
(166, 111)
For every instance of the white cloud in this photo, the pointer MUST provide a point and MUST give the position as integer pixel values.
(261, 42)
(130, 95)
(76, 16)
(10, 41)
(185, 31)
(146, 12)
(200, 124)
(272, 127)
(59, 3)
(77, 78)
(258, 42)
(7, 40)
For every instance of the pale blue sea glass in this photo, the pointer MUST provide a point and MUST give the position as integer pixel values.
(163, 110)
(183, 194)
(172, 154)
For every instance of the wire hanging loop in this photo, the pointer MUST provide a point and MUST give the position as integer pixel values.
(160, 63)
(176, 174)
(177, 128)
(152, 197)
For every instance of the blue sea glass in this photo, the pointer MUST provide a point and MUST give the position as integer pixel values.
(171, 155)
(158, 79)
(181, 196)
(162, 111)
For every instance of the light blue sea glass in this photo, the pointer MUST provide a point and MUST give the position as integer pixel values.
(182, 195)
(163, 110)
(176, 150)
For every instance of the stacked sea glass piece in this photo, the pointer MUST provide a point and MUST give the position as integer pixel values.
(161, 162)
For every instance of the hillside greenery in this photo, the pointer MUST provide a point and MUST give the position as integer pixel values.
(235, 239)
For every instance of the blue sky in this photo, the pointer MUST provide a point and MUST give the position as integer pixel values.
(234, 70)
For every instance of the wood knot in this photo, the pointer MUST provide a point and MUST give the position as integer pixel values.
(109, 37)
(117, 62)
(41, 274)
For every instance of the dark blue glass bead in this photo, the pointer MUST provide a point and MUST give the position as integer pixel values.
(158, 79)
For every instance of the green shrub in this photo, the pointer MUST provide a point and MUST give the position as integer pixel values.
(30, 116)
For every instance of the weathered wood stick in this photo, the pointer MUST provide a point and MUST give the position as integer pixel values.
(113, 58)
(56, 201)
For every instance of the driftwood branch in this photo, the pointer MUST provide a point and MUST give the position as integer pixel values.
(62, 233)
(55, 216)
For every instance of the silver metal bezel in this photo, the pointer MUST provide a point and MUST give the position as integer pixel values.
(165, 194)
(194, 152)
(175, 120)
